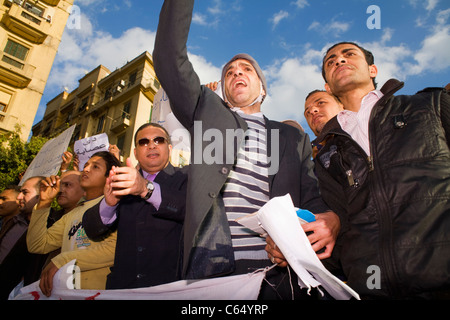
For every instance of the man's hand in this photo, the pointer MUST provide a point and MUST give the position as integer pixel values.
(49, 189)
(324, 233)
(66, 159)
(212, 85)
(125, 181)
(274, 253)
(46, 282)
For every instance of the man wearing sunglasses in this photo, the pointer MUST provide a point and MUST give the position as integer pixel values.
(146, 205)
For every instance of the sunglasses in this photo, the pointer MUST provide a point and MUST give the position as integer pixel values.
(157, 141)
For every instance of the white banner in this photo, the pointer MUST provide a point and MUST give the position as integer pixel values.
(240, 287)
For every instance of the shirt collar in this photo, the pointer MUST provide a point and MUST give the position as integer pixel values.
(240, 112)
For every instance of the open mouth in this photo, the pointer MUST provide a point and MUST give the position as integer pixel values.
(153, 155)
(240, 83)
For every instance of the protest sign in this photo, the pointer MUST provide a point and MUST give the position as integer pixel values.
(48, 161)
(86, 147)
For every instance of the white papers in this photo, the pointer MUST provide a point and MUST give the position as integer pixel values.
(240, 287)
(278, 218)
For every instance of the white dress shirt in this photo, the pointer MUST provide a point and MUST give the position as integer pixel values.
(356, 124)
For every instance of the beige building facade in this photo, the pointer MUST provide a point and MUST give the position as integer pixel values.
(30, 34)
(116, 103)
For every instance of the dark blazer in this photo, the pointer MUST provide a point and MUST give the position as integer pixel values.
(207, 242)
(148, 240)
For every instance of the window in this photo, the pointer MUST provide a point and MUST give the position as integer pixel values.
(121, 142)
(83, 104)
(126, 110)
(5, 98)
(31, 7)
(101, 123)
(156, 84)
(132, 79)
(16, 50)
(108, 93)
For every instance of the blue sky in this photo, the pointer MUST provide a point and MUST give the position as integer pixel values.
(287, 37)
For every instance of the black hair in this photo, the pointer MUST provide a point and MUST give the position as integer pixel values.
(370, 59)
(152, 124)
(317, 91)
(110, 160)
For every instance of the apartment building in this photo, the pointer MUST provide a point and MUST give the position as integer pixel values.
(30, 33)
(116, 103)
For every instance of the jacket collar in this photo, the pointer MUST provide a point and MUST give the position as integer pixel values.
(332, 126)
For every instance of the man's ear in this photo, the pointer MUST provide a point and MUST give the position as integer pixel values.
(373, 71)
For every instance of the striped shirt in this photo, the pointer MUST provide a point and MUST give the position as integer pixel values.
(247, 188)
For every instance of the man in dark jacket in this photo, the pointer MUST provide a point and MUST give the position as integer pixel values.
(220, 189)
(385, 164)
(147, 206)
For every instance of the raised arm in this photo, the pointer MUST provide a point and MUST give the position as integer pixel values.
(172, 66)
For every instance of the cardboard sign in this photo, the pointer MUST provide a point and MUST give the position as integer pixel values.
(86, 147)
(48, 161)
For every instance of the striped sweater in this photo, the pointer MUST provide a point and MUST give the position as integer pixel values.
(247, 188)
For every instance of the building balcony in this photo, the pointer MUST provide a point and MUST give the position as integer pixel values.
(51, 2)
(121, 123)
(25, 23)
(14, 72)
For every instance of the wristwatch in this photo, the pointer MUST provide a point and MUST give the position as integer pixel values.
(150, 188)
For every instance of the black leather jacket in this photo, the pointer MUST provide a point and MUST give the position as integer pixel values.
(395, 205)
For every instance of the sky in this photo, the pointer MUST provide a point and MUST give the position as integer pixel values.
(410, 40)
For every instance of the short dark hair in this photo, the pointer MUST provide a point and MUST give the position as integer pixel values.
(110, 160)
(314, 92)
(12, 187)
(37, 185)
(317, 91)
(370, 59)
(152, 124)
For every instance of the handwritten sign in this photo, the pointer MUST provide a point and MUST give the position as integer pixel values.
(48, 161)
(161, 107)
(86, 147)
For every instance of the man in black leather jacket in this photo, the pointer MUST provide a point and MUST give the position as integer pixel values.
(385, 168)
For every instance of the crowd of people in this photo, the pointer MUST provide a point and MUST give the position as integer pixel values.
(376, 176)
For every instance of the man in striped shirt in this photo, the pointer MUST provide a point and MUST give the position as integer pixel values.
(271, 159)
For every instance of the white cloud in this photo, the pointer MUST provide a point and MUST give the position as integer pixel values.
(82, 50)
(199, 19)
(433, 56)
(290, 80)
(205, 70)
(335, 28)
(431, 4)
(277, 17)
(301, 3)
